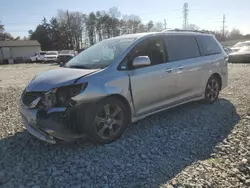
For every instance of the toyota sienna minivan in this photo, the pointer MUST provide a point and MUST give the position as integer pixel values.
(117, 81)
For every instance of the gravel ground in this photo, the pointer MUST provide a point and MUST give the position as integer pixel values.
(195, 145)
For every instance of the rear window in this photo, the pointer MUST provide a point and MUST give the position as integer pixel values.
(51, 53)
(210, 45)
(181, 47)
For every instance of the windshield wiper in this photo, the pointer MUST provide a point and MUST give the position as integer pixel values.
(79, 67)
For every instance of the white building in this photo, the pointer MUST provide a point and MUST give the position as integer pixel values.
(18, 49)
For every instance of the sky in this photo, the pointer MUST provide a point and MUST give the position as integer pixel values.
(19, 16)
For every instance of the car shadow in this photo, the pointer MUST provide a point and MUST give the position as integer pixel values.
(151, 152)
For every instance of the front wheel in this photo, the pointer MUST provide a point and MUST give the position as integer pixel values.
(212, 89)
(106, 120)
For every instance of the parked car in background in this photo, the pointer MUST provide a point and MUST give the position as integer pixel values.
(241, 56)
(51, 56)
(240, 45)
(227, 50)
(81, 50)
(122, 80)
(64, 56)
(36, 57)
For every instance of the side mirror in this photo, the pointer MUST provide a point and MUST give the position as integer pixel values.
(141, 61)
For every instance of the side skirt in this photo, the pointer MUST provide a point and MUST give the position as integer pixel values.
(178, 103)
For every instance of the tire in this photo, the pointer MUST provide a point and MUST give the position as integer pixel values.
(96, 120)
(212, 90)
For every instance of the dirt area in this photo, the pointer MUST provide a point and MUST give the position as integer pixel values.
(194, 145)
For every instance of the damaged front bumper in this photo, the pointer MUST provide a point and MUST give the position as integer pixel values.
(44, 125)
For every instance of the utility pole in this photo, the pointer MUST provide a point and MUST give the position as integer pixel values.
(223, 27)
(165, 24)
(185, 16)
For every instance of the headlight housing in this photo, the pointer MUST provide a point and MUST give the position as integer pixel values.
(60, 97)
(64, 94)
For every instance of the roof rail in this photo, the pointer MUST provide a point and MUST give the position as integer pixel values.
(183, 30)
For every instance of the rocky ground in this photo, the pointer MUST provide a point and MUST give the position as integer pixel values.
(195, 145)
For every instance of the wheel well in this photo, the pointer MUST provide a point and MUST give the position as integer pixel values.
(124, 101)
(218, 77)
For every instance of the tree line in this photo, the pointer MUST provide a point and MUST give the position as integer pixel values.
(74, 30)
(3, 34)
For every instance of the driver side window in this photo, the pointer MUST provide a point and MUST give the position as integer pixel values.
(154, 48)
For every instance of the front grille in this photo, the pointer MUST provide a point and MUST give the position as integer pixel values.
(29, 97)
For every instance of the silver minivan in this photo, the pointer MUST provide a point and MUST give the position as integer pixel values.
(117, 81)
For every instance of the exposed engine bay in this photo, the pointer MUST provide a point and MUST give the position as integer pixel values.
(56, 112)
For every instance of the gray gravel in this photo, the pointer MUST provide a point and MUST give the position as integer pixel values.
(195, 145)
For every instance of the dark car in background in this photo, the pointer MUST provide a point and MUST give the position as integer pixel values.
(65, 56)
(241, 56)
(81, 50)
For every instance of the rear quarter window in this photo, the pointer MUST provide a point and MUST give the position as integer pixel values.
(210, 45)
(181, 47)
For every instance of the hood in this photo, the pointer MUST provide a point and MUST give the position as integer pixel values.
(240, 53)
(50, 55)
(56, 78)
(66, 55)
(235, 49)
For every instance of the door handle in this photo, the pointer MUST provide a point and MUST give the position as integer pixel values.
(169, 70)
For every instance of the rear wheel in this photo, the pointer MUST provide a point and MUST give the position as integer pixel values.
(212, 89)
(106, 120)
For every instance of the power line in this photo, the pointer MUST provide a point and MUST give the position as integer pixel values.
(185, 15)
(165, 24)
(223, 27)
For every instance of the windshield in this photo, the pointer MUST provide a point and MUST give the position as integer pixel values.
(51, 53)
(101, 54)
(67, 52)
(245, 49)
(241, 44)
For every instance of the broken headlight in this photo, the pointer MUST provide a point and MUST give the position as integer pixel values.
(65, 93)
(60, 97)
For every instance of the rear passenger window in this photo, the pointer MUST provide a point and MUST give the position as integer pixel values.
(209, 45)
(181, 47)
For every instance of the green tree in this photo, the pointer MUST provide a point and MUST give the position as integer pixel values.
(150, 26)
(42, 35)
(91, 25)
(4, 35)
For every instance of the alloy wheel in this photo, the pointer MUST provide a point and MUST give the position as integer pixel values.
(212, 90)
(108, 121)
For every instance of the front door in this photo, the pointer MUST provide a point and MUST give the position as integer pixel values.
(152, 86)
